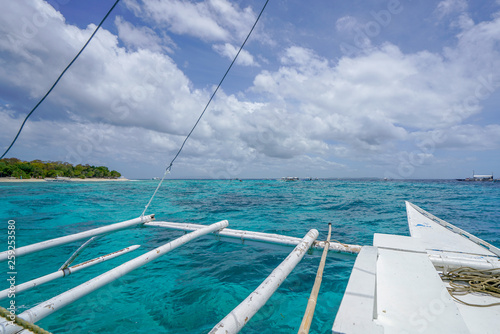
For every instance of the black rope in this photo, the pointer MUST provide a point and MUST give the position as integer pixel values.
(216, 89)
(169, 167)
(59, 78)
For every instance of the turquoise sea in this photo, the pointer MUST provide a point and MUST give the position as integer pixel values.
(190, 289)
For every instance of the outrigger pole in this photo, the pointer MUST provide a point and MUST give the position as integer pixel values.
(49, 306)
(311, 303)
(66, 271)
(228, 234)
(77, 236)
(237, 318)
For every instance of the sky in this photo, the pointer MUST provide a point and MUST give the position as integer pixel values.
(400, 89)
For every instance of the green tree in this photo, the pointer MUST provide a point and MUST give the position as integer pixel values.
(3, 167)
(114, 174)
(13, 167)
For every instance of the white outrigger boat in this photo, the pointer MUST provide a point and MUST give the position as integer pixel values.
(398, 285)
(395, 285)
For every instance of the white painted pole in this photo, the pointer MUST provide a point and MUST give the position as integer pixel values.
(270, 238)
(64, 272)
(335, 248)
(49, 306)
(76, 253)
(77, 236)
(239, 317)
(440, 260)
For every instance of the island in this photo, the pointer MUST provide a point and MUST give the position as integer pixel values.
(13, 169)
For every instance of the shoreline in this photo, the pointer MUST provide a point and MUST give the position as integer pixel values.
(73, 179)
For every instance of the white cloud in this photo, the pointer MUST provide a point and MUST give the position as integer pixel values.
(448, 7)
(456, 12)
(372, 101)
(346, 24)
(27, 45)
(108, 83)
(229, 51)
(465, 137)
(134, 103)
(141, 37)
(86, 142)
(218, 22)
(463, 22)
(211, 20)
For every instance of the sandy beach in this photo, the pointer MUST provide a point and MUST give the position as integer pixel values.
(10, 179)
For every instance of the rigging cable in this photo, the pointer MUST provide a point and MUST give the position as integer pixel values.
(59, 78)
(169, 167)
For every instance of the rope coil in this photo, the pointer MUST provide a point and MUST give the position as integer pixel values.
(465, 280)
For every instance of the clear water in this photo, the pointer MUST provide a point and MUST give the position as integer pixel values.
(190, 289)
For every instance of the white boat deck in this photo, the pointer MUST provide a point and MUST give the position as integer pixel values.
(434, 236)
(358, 309)
(395, 287)
(411, 295)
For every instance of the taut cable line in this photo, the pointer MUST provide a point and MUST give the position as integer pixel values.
(57, 81)
(169, 167)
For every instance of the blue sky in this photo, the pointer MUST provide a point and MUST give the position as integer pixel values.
(399, 89)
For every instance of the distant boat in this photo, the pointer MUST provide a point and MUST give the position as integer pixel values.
(59, 179)
(478, 177)
(289, 178)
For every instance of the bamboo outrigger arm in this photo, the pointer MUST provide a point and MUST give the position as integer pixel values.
(240, 316)
(65, 272)
(335, 247)
(77, 236)
(49, 306)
